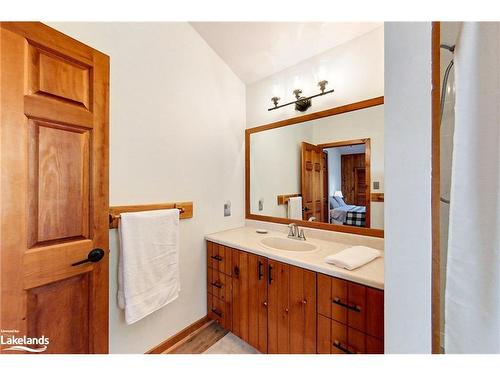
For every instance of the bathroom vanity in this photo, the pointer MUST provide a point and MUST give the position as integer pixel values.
(291, 301)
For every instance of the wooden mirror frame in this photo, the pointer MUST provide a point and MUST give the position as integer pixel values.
(293, 121)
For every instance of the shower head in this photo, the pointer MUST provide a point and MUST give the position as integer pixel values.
(449, 48)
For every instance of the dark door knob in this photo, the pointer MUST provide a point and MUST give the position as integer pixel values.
(94, 256)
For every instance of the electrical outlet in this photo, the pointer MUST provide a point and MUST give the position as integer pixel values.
(227, 208)
(261, 204)
(376, 185)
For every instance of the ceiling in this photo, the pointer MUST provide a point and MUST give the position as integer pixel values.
(255, 50)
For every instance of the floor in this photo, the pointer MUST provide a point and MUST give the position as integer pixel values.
(211, 339)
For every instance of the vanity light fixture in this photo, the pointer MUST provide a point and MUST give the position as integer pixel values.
(301, 103)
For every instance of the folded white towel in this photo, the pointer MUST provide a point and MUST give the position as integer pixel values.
(353, 257)
(148, 271)
(295, 208)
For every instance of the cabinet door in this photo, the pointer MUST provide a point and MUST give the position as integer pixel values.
(278, 308)
(302, 313)
(257, 294)
(240, 280)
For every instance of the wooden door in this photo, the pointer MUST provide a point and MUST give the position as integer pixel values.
(278, 308)
(359, 186)
(302, 311)
(349, 164)
(326, 201)
(312, 182)
(54, 190)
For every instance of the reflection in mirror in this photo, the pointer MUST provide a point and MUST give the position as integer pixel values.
(328, 170)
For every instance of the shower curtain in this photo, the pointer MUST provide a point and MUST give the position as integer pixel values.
(472, 315)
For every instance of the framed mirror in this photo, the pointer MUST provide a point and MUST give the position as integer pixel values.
(323, 170)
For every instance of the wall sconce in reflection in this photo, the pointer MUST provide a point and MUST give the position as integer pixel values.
(301, 103)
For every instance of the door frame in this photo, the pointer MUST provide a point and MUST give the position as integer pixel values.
(436, 296)
(352, 142)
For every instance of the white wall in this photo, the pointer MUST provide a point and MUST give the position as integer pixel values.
(355, 70)
(334, 170)
(408, 187)
(275, 164)
(177, 118)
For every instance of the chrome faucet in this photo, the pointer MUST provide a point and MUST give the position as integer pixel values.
(295, 232)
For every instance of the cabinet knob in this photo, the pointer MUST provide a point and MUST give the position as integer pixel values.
(286, 310)
(265, 303)
(304, 301)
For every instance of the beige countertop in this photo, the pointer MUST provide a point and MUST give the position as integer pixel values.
(247, 239)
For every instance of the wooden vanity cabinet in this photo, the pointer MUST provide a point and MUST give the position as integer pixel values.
(283, 309)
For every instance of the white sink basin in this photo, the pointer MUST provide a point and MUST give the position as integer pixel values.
(287, 244)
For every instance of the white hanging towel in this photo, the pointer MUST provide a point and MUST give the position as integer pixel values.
(295, 208)
(353, 257)
(472, 304)
(148, 270)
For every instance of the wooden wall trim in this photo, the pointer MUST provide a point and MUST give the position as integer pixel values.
(435, 187)
(377, 197)
(171, 341)
(316, 115)
(297, 120)
(317, 225)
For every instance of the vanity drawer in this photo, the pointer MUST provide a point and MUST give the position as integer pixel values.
(220, 311)
(337, 338)
(219, 257)
(355, 305)
(219, 285)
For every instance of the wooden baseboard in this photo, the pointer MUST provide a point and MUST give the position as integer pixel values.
(171, 341)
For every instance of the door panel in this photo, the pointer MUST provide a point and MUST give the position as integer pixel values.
(59, 182)
(312, 181)
(67, 300)
(54, 204)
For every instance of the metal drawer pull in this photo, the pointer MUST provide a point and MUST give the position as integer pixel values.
(217, 312)
(260, 271)
(216, 257)
(337, 301)
(217, 284)
(339, 346)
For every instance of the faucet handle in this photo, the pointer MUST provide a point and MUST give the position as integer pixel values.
(302, 236)
(292, 232)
